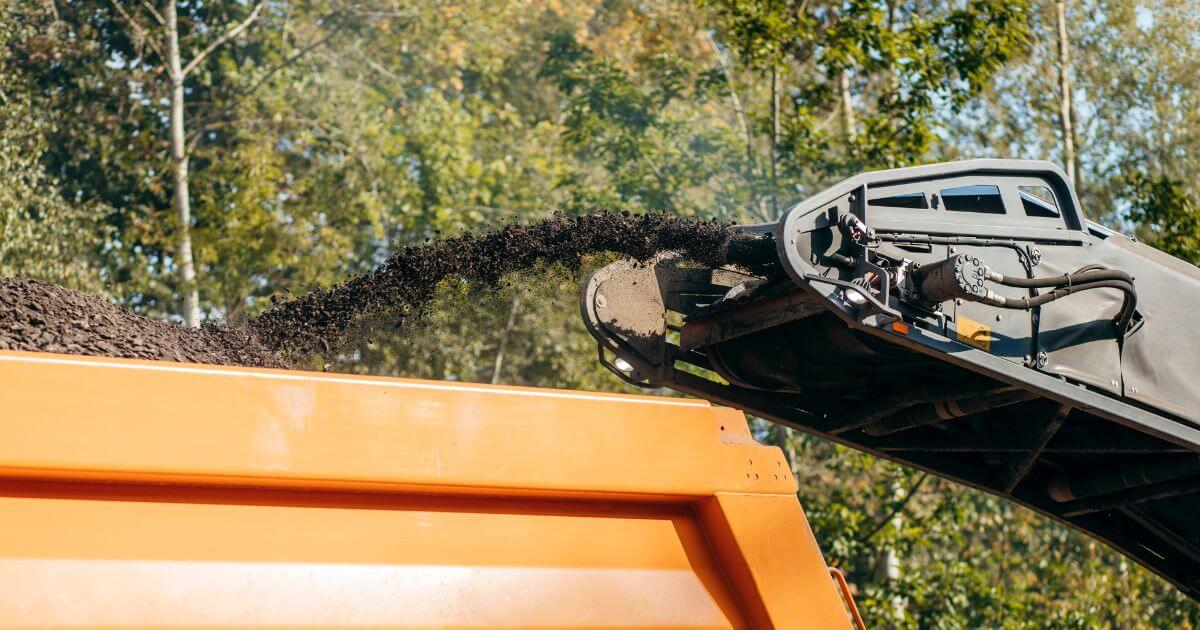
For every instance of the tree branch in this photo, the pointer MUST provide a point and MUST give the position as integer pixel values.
(739, 113)
(899, 508)
(672, 204)
(154, 13)
(142, 32)
(238, 96)
(289, 61)
(377, 67)
(229, 34)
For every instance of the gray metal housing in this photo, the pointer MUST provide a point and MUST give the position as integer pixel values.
(1057, 407)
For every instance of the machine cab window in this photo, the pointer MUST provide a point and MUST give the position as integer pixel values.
(981, 198)
(1038, 201)
(978, 200)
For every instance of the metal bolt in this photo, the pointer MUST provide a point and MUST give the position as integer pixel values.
(600, 301)
(999, 317)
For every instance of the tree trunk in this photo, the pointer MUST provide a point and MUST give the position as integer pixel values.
(1065, 105)
(849, 120)
(180, 200)
(774, 141)
(781, 436)
(503, 346)
(751, 175)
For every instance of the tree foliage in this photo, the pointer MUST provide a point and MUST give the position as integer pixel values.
(42, 233)
(1166, 214)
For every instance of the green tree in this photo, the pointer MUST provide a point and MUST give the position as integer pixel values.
(679, 128)
(1166, 215)
(108, 98)
(42, 235)
(1136, 106)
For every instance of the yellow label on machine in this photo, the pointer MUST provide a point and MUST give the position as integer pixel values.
(974, 333)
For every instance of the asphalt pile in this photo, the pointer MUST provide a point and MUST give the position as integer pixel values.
(42, 317)
(38, 316)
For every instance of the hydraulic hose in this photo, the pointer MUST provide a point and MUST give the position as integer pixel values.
(963, 277)
(1082, 276)
(1026, 303)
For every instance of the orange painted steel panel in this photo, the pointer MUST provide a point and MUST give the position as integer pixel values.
(759, 538)
(140, 494)
(139, 564)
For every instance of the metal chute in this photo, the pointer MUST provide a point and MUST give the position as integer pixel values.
(962, 318)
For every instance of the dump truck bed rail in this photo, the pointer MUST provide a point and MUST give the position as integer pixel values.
(153, 494)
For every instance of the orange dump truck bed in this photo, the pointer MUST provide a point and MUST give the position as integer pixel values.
(140, 494)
